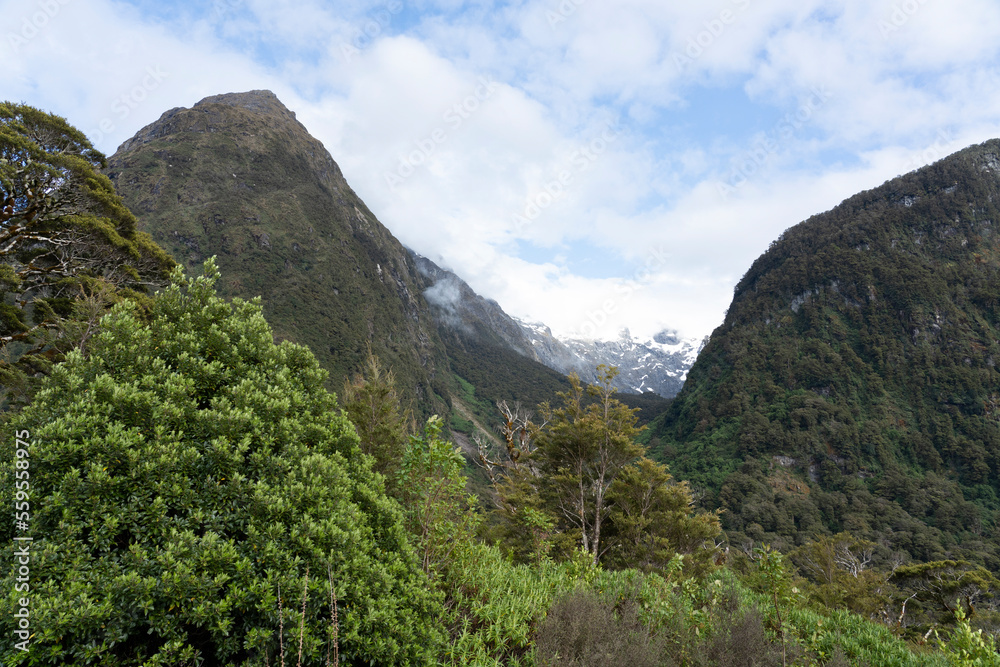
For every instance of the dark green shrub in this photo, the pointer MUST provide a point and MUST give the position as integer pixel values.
(742, 641)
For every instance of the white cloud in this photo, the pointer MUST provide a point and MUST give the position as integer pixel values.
(378, 83)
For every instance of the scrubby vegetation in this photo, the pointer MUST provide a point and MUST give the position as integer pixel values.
(199, 497)
(186, 472)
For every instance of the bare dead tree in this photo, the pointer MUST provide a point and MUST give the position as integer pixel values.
(517, 432)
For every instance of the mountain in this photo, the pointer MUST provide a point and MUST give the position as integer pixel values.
(495, 352)
(457, 307)
(238, 177)
(853, 385)
(659, 364)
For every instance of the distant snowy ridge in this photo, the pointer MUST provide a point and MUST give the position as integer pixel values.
(659, 364)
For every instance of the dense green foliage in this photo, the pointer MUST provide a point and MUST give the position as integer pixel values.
(438, 509)
(371, 403)
(581, 482)
(198, 498)
(65, 238)
(853, 384)
(499, 610)
(499, 373)
(184, 474)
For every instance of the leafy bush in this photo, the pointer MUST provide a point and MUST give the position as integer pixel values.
(181, 475)
(438, 510)
(968, 648)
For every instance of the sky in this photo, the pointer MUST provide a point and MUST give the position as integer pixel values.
(588, 164)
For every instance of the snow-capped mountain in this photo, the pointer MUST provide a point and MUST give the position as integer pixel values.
(658, 364)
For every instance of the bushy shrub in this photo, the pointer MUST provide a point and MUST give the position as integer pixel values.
(969, 648)
(180, 474)
(741, 641)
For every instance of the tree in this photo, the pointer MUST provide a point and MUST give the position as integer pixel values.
(186, 472)
(64, 234)
(653, 519)
(579, 481)
(581, 452)
(372, 404)
(943, 588)
(840, 568)
(438, 509)
(526, 526)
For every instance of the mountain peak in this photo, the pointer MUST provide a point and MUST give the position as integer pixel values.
(260, 101)
(859, 353)
(262, 104)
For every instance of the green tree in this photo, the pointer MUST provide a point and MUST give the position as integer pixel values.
(581, 452)
(771, 578)
(840, 568)
(439, 510)
(64, 235)
(372, 404)
(526, 526)
(182, 474)
(579, 481)
(943, 588)
(654, 519)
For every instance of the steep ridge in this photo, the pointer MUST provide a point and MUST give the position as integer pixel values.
(456, 306)
(853, 385)
(658, 365)
(239, 177)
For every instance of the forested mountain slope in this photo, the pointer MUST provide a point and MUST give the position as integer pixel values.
(853, 385)
(239, 177)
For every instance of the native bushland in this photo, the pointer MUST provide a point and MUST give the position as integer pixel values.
(185, 471)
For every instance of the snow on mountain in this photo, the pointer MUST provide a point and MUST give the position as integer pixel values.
(658, 364)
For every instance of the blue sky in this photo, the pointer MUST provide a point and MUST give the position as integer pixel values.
(590, 164)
